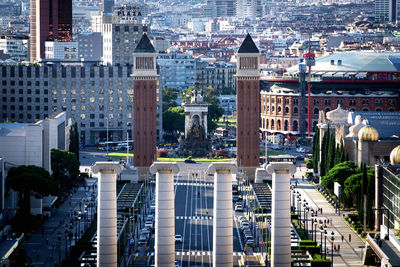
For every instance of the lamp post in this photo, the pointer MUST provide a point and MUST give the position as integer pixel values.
(305, 218)
(321, 228)
(79, 223)
(312, 225)
(333, 240)
(315, 225)
(326, 234)
(59, 248)
(66, 242)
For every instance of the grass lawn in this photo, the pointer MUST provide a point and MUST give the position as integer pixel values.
(122, 155)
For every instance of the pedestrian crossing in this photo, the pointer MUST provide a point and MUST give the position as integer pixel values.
(193, 217)
(203, 253)
(193, 184)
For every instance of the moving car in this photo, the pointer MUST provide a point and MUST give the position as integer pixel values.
(238, 208)
(189, 161)
(178, 239)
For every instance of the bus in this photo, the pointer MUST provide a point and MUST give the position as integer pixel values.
(220, 131)
(235, 187)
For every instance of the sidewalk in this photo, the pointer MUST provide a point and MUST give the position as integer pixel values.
(350, 251)
(44, 252)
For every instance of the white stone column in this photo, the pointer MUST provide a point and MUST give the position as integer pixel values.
(165, 213)
(107, 213)
(280, 233)
(223, 221)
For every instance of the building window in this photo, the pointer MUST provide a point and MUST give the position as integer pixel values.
(352, 102)
(327, 102)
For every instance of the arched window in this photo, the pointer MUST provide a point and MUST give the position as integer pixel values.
(327, 110)
(286, 126)
(378, 109)
(273, 108)
(391, 109)
(279, 109)
(278, 125)
(295, 110)
(365, 109)
(316, 110)
(286, 110)
(267, 124)
(295, 126)
(272, 125)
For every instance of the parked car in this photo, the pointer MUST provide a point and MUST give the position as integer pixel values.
(178, 239)
(250, 242)
(301, 149)
(235, 199)
(238, 208)
(189, 161)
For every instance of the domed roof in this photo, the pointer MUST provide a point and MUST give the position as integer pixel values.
(359, 124)
(395, 155)
(368, 133)
(338, 115)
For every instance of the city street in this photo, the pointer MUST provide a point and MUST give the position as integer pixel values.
(193, 197)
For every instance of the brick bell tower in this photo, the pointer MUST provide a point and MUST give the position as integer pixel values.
(144, 106)
(248, 107)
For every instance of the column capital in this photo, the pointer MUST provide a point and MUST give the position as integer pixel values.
(158, 166)
(219, 166)
(101, 166)
(281, 166)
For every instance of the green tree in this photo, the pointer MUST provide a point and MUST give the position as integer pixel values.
(352, 190)
(30, 180)
(228, 91)
(174, 119)
(331, 152)
(169, 97)
(65, 167)
(369, 172)
(74, 139)
(324, 152)
(339, 173)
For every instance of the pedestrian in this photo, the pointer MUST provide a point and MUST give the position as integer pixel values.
(321, 210)
(342, 238)
(325, 222)
(338, 248)
(302, 178)
(328, 220)
(349, 237)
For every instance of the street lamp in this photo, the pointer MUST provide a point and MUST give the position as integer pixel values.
(59, 248)
(321, 228)
(326, 234)
(333, 240)
(79, 224)
(315, 231)
(312, 225)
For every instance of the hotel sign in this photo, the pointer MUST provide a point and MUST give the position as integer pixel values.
(127, 13)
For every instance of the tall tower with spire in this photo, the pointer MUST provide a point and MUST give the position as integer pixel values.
(248, 106)
(145, 105)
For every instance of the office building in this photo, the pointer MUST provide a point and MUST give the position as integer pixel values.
(90, 46)
(90, 94)
(64, 51)
(248, 8)
(50, 20)
(122, 34)
(386, 11)
(218, 75)
(177, 70)
(15, 46)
